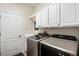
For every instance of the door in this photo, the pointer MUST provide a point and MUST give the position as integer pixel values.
(11, 34)
(54, 15)
(68, 14)
(44, 17)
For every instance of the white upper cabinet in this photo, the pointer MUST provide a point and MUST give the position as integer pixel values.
(59, 15)
(54, 15)
(77, 14)
(38, 20)
(44, 17)
(68, 14)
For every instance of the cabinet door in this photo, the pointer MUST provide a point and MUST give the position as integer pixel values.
(38, 23)
(51, 51)
(44, 17)
(68, 14)
(77, 14)
(54, 15)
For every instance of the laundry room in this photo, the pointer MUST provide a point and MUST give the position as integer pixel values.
(39, 29)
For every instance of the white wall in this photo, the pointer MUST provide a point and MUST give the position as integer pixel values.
(40, 6)
(68, 31)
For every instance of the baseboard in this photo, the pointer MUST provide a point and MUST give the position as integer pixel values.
(24, 52)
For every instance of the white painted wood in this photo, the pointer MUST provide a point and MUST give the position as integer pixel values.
(11, 29)
(77, 14)
(44, 17)
(59, 15)
(0, 35)
(38, 20)
(54, 15)
(68, 14)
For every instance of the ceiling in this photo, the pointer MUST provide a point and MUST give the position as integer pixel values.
(31, 4)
